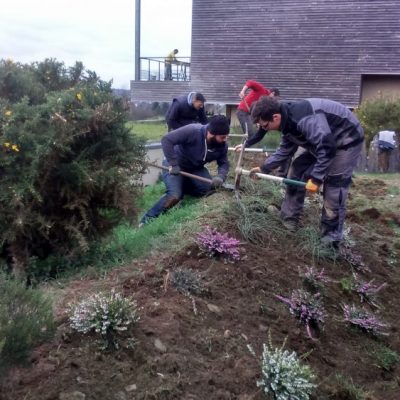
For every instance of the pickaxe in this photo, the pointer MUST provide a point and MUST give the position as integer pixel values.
(226, 186)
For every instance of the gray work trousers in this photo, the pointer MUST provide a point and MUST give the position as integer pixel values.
(335, 190)
(245, 118)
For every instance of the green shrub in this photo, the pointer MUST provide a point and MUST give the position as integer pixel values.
(69, 165)
(379, 114)
(26, 319)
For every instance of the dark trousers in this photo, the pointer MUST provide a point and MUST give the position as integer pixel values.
(335, 190)
(176, 187)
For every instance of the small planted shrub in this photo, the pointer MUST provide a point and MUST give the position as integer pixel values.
(106, 314)
(216, 244)
(283, 376)
(367, 290)
(26, 319)
(188, 282)
(363, 320)
(315, 279)
(356, 261)
(306, 307)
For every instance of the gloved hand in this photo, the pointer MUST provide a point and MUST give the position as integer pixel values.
(217, 181)
(174, 170)
(312, 186)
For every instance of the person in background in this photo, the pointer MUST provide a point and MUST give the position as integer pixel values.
(169, 60)
(256, 90)
(386, 145)
(186, 109)
(332, 139)
(275, 92)
(188, 149)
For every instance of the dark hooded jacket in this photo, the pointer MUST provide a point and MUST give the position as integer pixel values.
(188, 148)
(181, 112)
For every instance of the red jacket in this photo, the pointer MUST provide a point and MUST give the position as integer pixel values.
(257, 90)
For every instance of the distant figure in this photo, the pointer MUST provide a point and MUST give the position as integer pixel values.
(185, 110)
(171, 58)
(386, 144)
(243, 110)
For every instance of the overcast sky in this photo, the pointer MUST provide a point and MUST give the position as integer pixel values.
(100, 33)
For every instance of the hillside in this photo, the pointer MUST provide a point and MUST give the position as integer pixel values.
(195, 348)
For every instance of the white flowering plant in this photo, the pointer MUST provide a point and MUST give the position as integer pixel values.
(283, 376)
(105, 314)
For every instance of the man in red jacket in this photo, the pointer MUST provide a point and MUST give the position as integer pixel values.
(243, 110)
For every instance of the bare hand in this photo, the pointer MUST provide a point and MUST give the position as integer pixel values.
(253, 173)
(238, 148)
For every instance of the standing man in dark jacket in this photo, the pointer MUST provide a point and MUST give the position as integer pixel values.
(332, 139)
(188, 149)
(186, 110)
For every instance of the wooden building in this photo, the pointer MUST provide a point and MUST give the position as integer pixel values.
(338, 49)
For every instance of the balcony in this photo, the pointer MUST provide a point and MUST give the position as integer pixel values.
(156, 69)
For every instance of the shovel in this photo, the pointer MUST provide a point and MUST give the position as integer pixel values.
(241, 171)
(226, 186)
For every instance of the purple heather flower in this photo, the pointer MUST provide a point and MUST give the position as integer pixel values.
(363, 320)
(306, 307)
(215, 244)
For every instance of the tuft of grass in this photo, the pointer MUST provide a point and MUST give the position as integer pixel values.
(255, 223)
(346, 389)
(26, 319)
(385, 358)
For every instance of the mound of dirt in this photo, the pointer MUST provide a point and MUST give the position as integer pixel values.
(196, 348)
(183, 354)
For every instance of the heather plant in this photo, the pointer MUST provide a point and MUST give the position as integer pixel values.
(106, 314)
(363, 320)
(216, 244)
(306, 307)
(316, 279)
(367, 290)
(26, 319)
(188, 282)
(283, 375)
(355, 259)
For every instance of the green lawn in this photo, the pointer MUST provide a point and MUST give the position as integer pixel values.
(152, 131)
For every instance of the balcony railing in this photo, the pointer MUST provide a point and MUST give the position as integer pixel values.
(156, 69)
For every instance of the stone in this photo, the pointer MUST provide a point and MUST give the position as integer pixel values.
(160, 346)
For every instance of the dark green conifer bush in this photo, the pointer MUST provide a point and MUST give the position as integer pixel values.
(68, 165)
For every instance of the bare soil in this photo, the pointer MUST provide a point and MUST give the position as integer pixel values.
(204, 355)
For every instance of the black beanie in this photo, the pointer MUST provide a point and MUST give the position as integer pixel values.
(218, 125)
